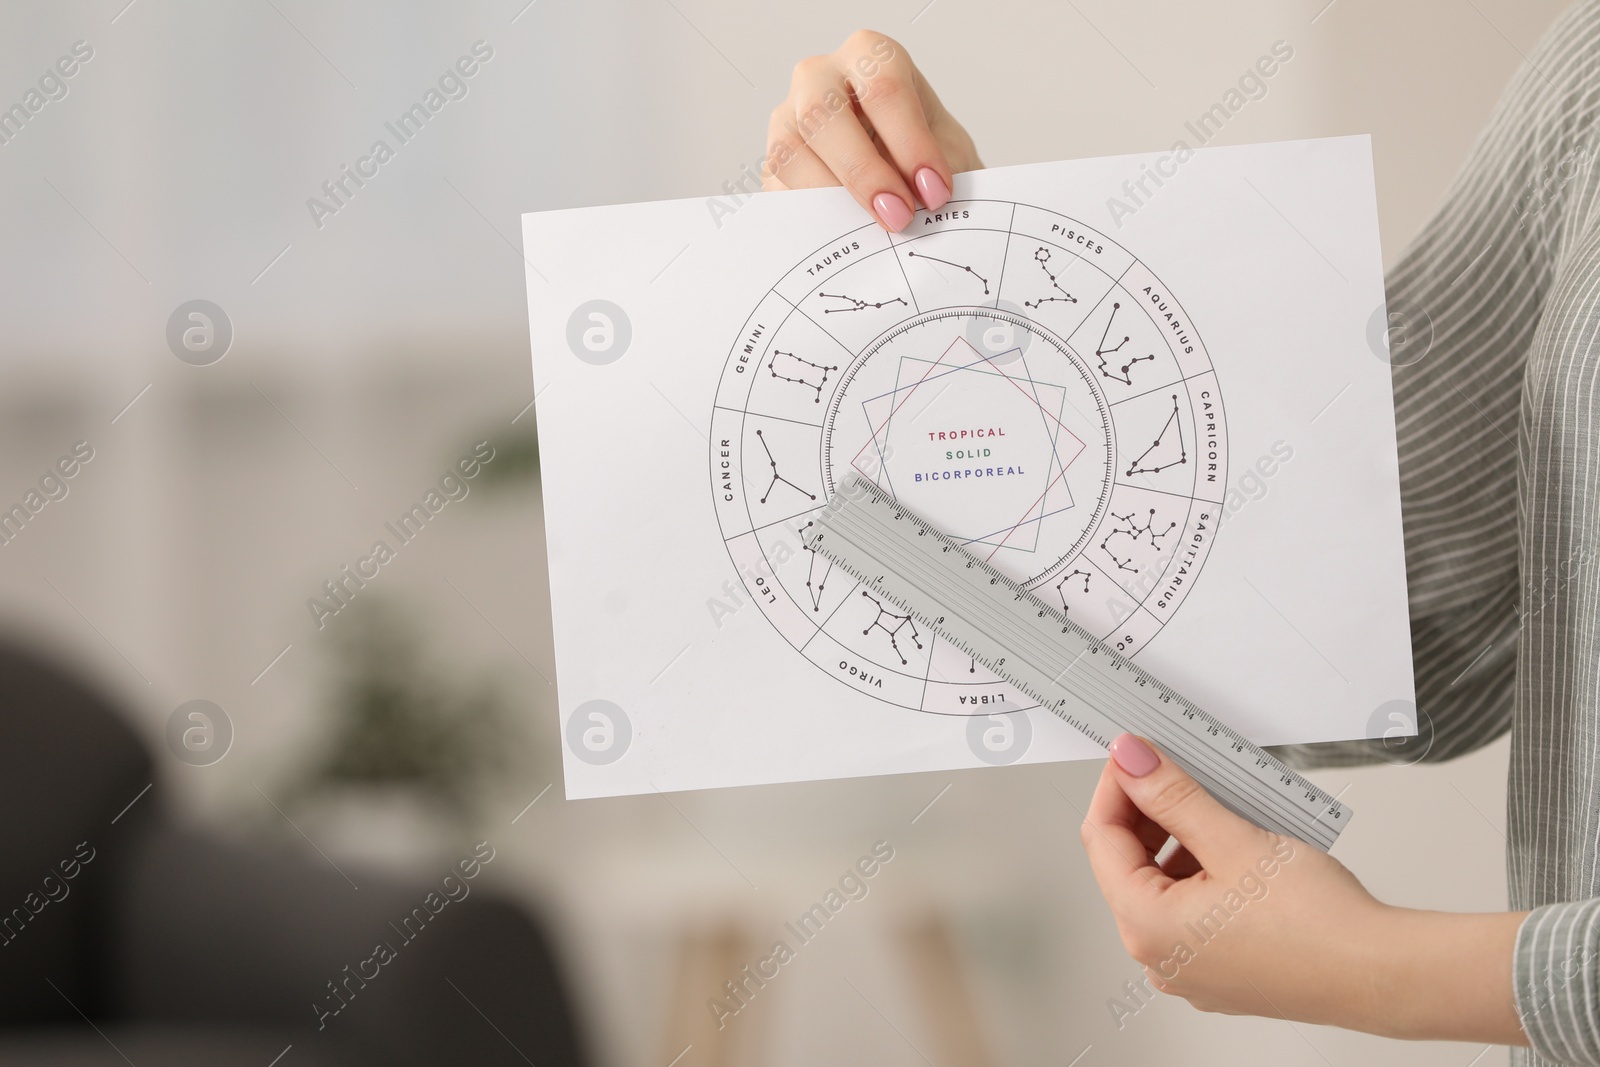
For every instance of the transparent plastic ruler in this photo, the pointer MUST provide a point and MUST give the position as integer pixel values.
(1044, 654)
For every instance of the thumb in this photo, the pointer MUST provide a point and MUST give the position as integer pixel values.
(1177, 803)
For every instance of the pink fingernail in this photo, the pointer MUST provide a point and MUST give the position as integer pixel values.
(932, 189)
(892, 211)
(1134, 756)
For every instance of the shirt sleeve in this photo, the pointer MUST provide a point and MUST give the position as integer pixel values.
(1464, 302)
(1556, 971)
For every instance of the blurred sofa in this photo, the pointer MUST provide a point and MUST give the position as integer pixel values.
(125, 937)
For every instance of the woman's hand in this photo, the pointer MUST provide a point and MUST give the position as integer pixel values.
(1247, 922)
(865, 118)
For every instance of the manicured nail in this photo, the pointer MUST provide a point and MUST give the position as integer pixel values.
(892, 211)
(1134, 756)
(932, 189)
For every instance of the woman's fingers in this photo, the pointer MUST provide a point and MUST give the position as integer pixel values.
(1111, 804)
(892, 102)
(790, 162)
(865, 118)
(844, 146)
(1168, 796)
(1119, 841)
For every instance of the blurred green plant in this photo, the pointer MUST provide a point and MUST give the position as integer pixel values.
(516, 461)
(397, 720)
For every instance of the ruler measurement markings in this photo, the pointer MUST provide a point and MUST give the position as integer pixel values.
(1097, 646)
(1106, 684)
(1133, 715)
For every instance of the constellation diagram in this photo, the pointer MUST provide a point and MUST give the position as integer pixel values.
(801, 367)
(1164, 446)
(859, 305)
(1042, 257)
(1123, 374)
(776, 477)
(815, 585)
(1007, 377)
(900, 623)
(958, 266)
(1134, 532)
(1067, 578)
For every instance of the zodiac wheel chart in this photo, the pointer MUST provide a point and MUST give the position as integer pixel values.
(1010, 375)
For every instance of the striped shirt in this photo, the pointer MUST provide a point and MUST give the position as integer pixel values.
(1498, 305)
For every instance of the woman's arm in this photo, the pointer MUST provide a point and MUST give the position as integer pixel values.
(1246, 922)
(1464, 302)
(1469, 296)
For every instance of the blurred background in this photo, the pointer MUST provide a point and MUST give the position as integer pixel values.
(370, 350)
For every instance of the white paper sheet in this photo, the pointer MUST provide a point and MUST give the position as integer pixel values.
(1165, 405)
